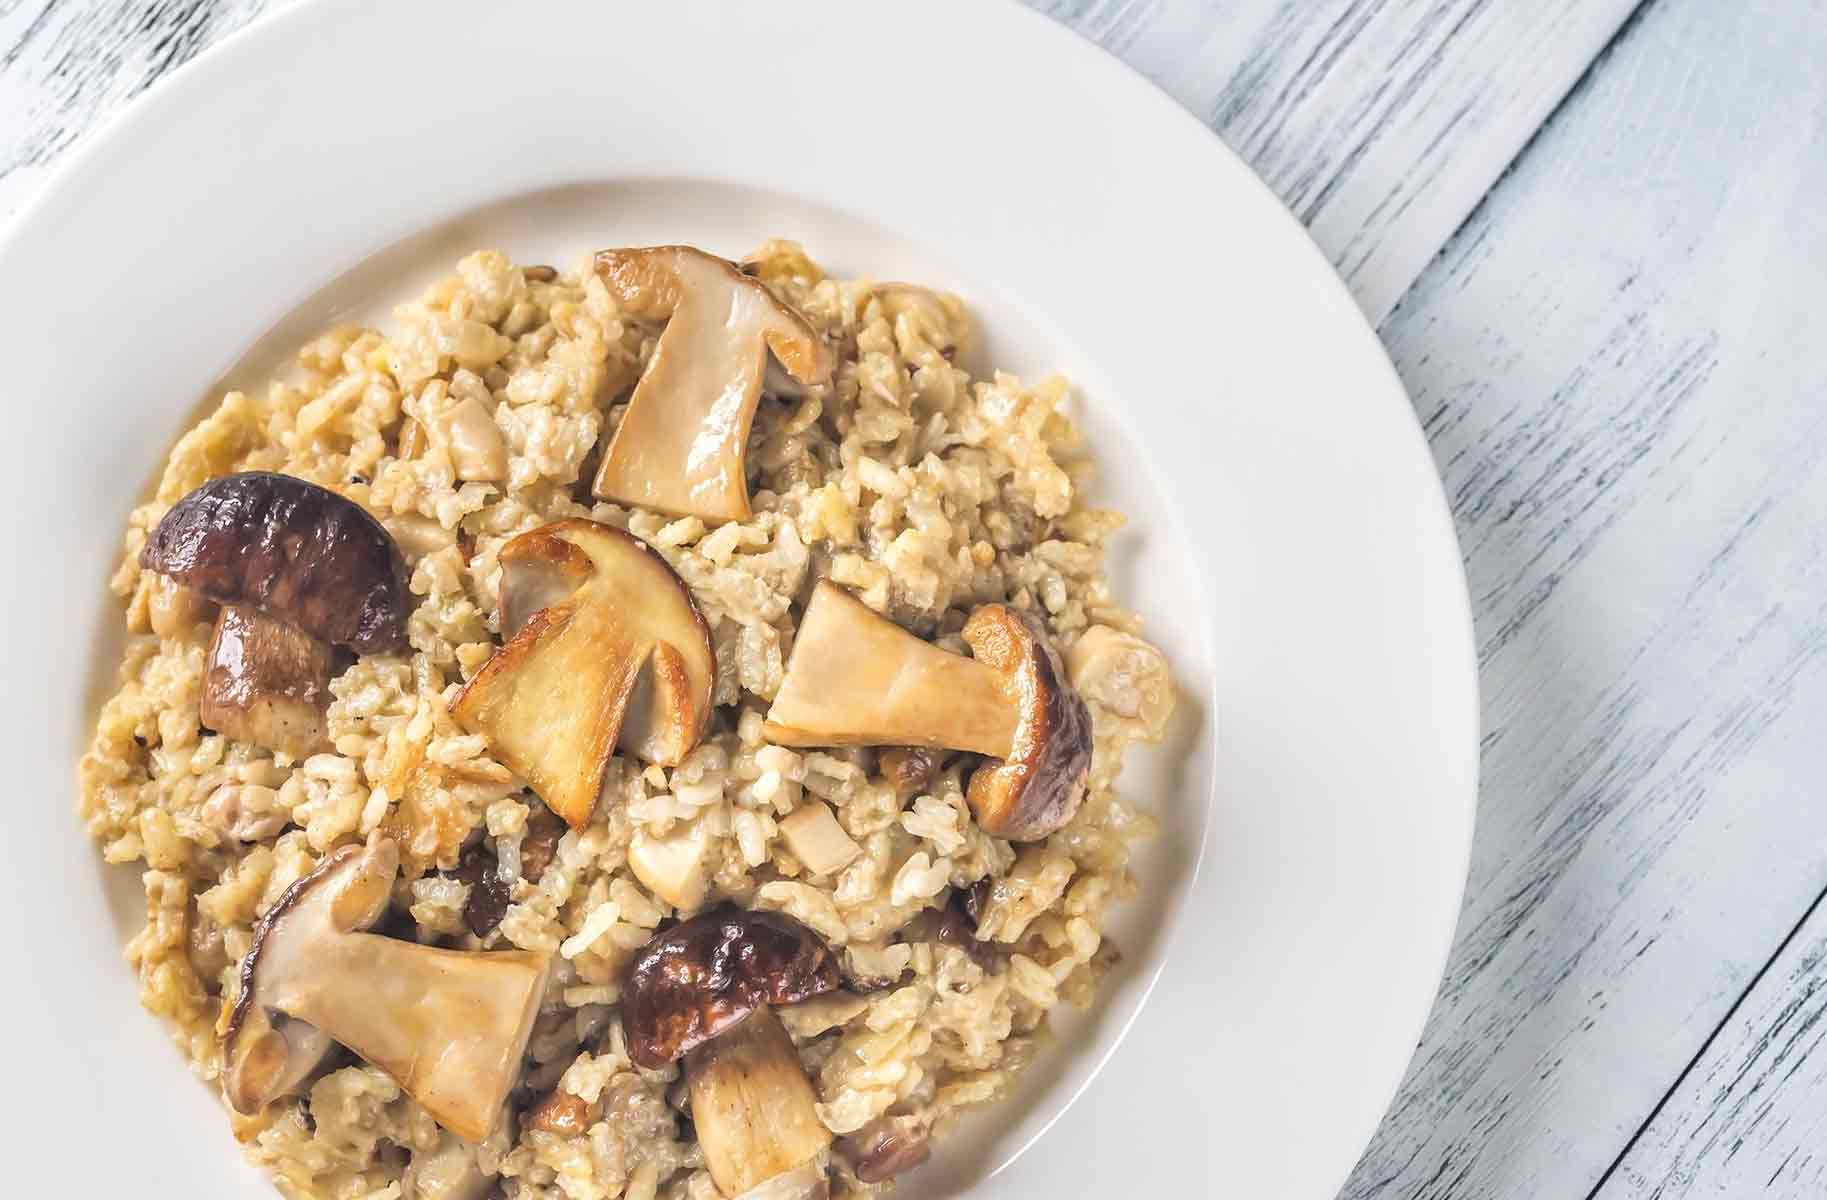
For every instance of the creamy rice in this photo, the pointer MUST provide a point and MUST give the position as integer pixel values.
(925, 491)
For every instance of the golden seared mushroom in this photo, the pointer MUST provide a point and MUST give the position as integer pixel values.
(702, 990)
(855, 678)
(449, 1026)
(681, 444)
(298, 570)
(605, 647)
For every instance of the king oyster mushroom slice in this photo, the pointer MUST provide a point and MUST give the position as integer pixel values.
(298, 570)
(605, 647)
(449, 1026)
(702, 990)
(681, 444)
(855, 678)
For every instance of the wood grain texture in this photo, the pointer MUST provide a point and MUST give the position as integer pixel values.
(1616, 360)
(65, 67)
(1618, 363)
(1381, 123)
(1749, 1118)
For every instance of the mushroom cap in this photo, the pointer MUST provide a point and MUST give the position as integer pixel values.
(1037, 788)
(291, 549)
(704, 975)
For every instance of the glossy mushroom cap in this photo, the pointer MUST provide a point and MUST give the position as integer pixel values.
(292, 550)
(705, 975)
(1038, 785)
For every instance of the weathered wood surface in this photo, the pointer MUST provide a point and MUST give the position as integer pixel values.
(1617, 361)
(1748, 1119)
(1381, 123)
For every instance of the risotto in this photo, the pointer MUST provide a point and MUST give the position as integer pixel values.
(752, 831)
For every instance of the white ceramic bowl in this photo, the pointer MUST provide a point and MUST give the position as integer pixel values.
(1289, 544)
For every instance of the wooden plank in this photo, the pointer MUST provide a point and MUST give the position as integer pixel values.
(1619, 362)
(1751, 1116)
(65, 67)
(1381, 123)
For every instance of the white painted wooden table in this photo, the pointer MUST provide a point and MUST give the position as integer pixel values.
(1592, 233)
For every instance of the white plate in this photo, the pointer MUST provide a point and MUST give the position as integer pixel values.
(1290, 546)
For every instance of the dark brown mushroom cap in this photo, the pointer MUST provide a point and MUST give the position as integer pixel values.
(292, 549)
(702, 976)
(1038, 787)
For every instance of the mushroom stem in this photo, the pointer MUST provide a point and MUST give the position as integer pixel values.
(856, 678)
(680, 447)
(450, 1026)
(266, 682)
(752, 1105)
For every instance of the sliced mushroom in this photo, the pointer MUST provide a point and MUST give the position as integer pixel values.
(701, 991)
(857, 679)
(954, 925)
(592, 612)
(701, 976)
(266, 682)
(298, 570)
(753, 1107)
(681, 444)
(562, 1113)
(889, 1146)
(449, 1026)
(294, 551)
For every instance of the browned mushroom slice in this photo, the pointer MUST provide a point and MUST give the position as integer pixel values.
(680, 446)
(298, 570)
(554, 700)
(856, 678)
(889, 1146)
(449, 1026)
(753, 1108)
(1038, 785)
(670, 705)
(266, 682)
(701, 990)
(294, 551)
